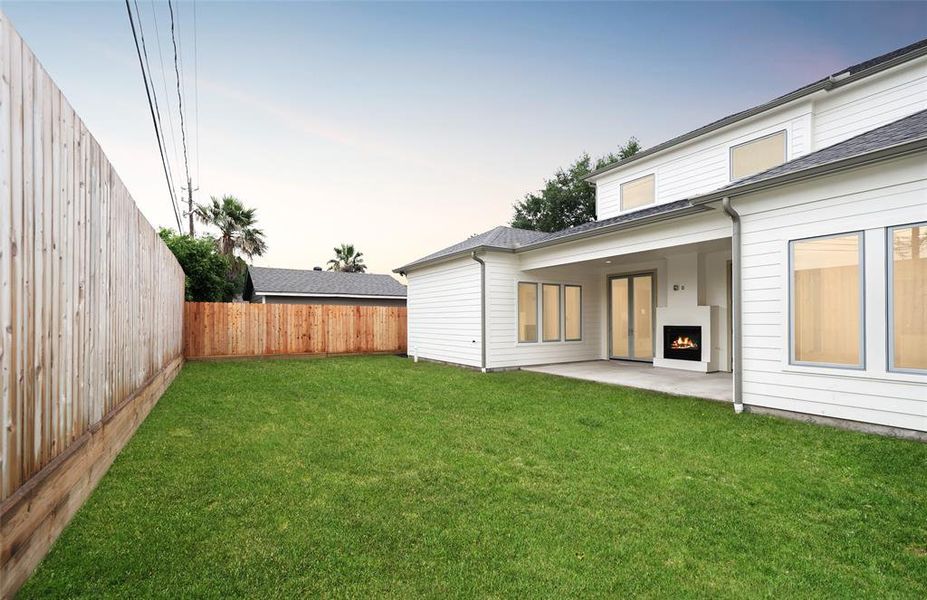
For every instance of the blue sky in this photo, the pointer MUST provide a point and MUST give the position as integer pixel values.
(407, 127)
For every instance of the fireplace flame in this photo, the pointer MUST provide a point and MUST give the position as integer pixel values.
(683, 342)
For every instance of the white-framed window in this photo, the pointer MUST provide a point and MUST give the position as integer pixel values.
(758, 155)
(826, 301)
(907, 292)
(638, 192)
(527, 312)
(572, 313)
(550, 312)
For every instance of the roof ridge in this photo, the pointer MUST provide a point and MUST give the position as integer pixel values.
(317, 271)
(495, 233)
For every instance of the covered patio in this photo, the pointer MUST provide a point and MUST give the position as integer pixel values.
(711, 386)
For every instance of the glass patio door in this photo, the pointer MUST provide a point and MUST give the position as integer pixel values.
(631, 302)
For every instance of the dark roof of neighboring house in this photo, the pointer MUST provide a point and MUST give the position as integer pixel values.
(265, 280)
(841, 77)
(895, 138)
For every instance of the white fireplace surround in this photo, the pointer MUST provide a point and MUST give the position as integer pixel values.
(705, 317)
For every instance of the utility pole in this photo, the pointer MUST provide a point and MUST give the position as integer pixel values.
(190, 191)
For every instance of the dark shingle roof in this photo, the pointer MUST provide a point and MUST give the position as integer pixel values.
(299, 281)
(909, 129)
(626, 218)
(501, 237)
(841, 77)
(509, 238)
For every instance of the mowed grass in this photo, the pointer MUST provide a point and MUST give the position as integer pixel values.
(376, 476)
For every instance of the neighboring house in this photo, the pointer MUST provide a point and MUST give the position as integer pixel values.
(303, 286)
(787, 243)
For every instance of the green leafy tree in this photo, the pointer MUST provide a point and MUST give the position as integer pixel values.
(205, 268)
(347, 260)
(566, 200)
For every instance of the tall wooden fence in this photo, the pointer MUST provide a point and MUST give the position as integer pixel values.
(224, 329)
(91, 309)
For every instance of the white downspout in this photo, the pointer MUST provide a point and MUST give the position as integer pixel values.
(482, 310)
(736, 311)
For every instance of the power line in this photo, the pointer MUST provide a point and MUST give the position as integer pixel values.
(183, 133)
(170, 118)
(196, 94)
(154, 95)
(154, 120)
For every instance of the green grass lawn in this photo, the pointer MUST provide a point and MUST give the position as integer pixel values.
(376, 476)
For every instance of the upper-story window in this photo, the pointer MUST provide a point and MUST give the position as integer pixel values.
(637, 192)
(758, 155)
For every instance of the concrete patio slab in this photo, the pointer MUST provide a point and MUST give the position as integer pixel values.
(711, 386)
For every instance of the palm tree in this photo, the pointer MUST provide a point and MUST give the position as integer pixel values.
(236, 225)
(347, 260)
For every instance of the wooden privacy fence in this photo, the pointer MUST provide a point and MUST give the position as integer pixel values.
(239, 329)
(91, 309)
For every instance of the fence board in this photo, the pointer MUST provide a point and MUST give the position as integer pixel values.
(240, 329)
(91, 307)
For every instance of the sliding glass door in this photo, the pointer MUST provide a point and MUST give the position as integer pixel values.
(631, 307)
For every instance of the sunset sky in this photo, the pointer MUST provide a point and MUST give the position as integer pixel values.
(404, 128)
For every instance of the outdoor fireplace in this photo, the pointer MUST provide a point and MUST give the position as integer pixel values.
(682, 342)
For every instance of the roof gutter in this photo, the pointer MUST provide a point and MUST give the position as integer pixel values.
(835, 166)
(832, 82)
(736, 312)
(403, 270)
(689, 210)
(612, 228)
(474, 256)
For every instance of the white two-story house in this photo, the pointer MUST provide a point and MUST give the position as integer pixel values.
(786, 244)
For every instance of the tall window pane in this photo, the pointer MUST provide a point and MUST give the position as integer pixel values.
(909, 297)
(573, 312)
(527, 312)
(551, 310)
(638, 192)
(642, 288)
(757, 155)
(826, 307)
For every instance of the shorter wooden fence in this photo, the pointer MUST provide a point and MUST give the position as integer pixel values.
(217, 329)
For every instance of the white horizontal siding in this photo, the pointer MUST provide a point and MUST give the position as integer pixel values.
(870, 103)
(503, 274)
(867, 200)
(817, 121)
(701, 165)
(444, 312)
